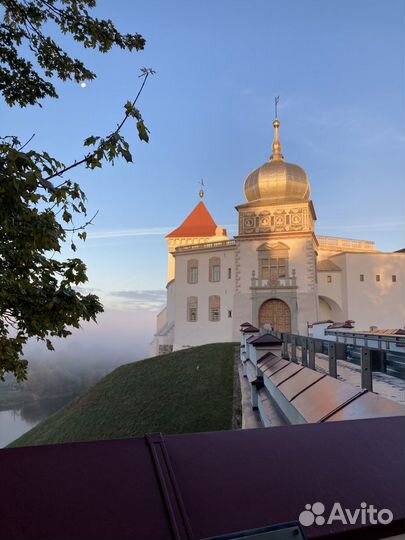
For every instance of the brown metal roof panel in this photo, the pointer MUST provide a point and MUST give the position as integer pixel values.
(275, 366)
(216, 483)
(302, 380)
(368, 405)
(289, 371)
(250, 330)
(269, 355)
(234, 481)
(268, 360)
(94, 491)
(266, 339)
(323, 398)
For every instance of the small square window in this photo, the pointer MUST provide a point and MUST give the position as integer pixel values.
(394, 279)
(378, 277)
(361, 277)
(329, 279)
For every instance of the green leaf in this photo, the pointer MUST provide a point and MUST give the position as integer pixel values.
(66, 216)
(127, 155)
(143, 131)
(90, 141)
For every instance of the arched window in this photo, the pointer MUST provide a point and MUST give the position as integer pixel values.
(192, 308)
(214, 308)
(215, 269)
(192, 271)
(273, 261)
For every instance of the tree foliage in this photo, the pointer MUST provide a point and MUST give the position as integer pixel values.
(39, 294)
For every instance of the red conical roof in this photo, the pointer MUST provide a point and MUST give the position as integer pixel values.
(198, 224)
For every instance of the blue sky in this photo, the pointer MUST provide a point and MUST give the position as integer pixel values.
(338, 67)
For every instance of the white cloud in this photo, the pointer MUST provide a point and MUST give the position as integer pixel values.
(150, 300)
(123, 233)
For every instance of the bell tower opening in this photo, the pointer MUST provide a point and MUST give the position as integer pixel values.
(276, 313)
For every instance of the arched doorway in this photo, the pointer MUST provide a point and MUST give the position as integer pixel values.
(277, 313)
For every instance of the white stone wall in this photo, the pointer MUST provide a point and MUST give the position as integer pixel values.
(188, 333)
(368, 302)
(331, 295)
(372, 303)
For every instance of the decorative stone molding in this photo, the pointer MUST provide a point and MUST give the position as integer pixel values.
(275, 219)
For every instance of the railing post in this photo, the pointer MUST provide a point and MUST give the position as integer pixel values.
(366, 373)
(311, 361)
(293, 349)
(304, 352)
(332, 359)
(284, 348)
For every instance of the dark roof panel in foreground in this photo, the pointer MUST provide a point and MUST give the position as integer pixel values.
(197, 486)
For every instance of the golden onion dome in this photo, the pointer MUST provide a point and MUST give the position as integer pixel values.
(277, 180)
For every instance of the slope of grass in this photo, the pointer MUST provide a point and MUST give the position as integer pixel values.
(185, 391)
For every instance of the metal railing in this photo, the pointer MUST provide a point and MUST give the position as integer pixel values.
(372, 357)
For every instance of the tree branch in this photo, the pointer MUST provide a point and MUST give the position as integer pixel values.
(92, 154)
(90, 222)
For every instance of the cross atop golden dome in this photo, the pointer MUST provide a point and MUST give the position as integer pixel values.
(277, 181)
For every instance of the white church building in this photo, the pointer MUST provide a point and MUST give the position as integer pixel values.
(275, 271)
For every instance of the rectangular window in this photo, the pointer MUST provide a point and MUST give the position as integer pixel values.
(229, 313)
(378, 277)
(214, 308)
(361, 277)
(192, 271)
(394, 279)
(273, 264)
(264, 269)
(229, 273)
(192, 307)
(193, 274)
(329, 279)
(215, 272)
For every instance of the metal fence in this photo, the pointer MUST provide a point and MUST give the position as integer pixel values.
(371, 356)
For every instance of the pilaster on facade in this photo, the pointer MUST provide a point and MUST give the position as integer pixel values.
(237, 268)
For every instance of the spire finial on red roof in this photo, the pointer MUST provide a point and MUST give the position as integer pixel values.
(201, 193)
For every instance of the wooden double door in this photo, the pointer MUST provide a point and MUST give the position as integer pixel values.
(276, 313)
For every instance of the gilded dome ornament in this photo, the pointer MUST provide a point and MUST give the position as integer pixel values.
(277, 181)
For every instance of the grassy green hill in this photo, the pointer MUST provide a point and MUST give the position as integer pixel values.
(186, 391)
